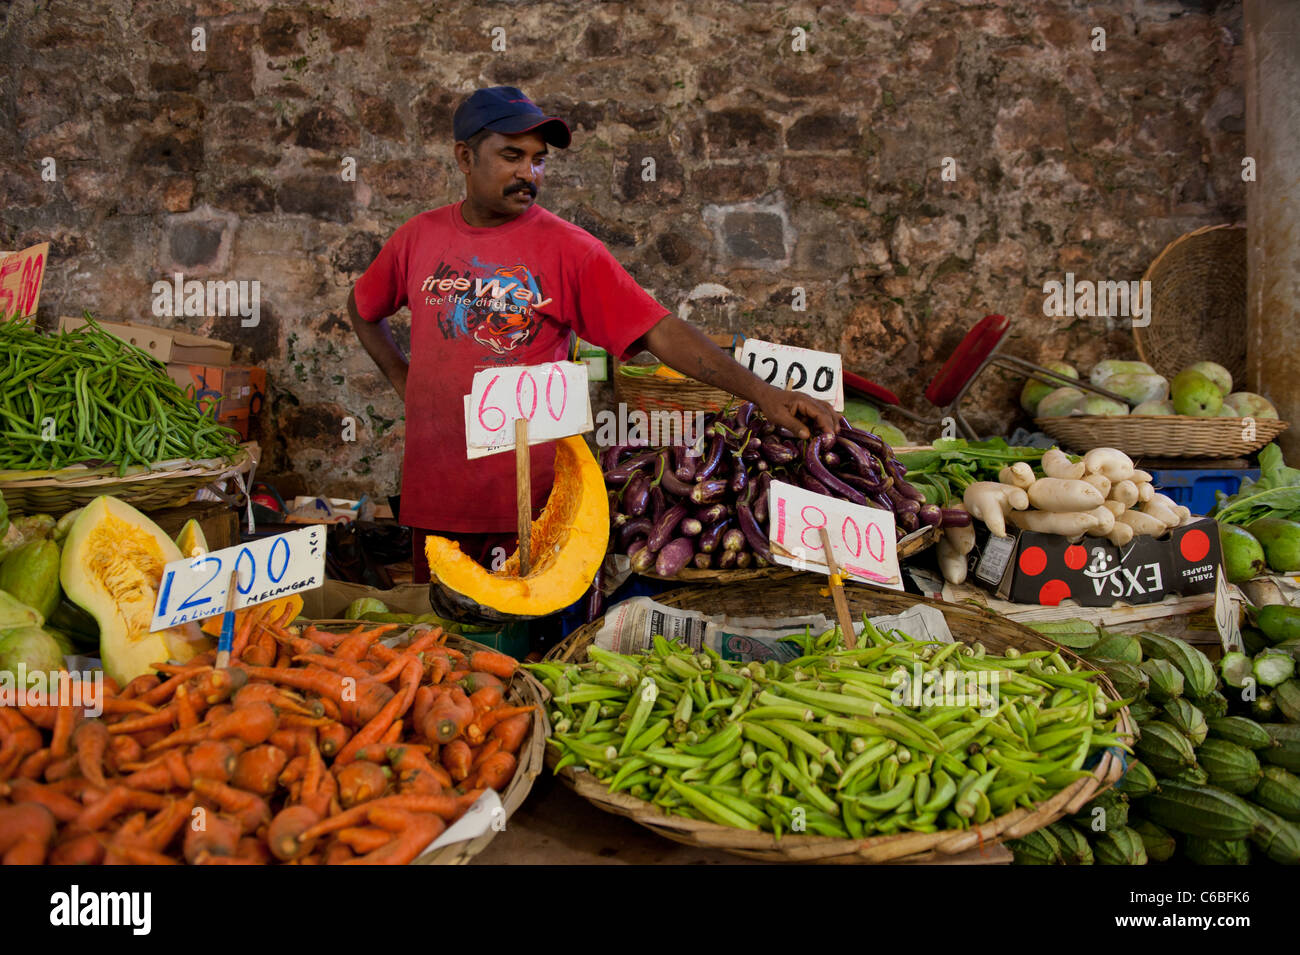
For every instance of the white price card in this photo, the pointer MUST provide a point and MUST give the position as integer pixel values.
(195, 587)
(862, 538)
(816, 373)
(1226, 615)
(552, 398)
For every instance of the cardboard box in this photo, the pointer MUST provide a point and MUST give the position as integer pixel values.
(239, 389)
(168, 346)
(1031, 568)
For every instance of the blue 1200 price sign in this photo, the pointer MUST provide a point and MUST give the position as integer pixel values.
(195, 587)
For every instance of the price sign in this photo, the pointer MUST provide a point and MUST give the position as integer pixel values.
(21, 276)
(862, 538)
(1226, 618)
(552, 398)
(196, 587)
(816, 373)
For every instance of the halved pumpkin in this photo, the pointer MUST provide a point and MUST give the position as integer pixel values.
(191, 540)
(113, 561)
(569, 539)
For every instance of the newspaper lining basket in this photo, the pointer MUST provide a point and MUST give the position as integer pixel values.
(789, 598)
(523, 690)
(1162, 436)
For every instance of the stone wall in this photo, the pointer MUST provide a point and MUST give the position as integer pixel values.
(795, 146)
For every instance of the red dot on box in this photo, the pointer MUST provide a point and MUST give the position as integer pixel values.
(1194, 546)
(1033, 561)
(1053, 592)
(1076, 557)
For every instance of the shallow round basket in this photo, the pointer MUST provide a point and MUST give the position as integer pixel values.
(790, 598)
(1198, 302)
(1163, 436)
(523, 690)
(165, 484)
(650, 393)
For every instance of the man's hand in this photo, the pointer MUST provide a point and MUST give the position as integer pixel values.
(790, 409)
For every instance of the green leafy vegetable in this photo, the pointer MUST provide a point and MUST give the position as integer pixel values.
(1275, 494)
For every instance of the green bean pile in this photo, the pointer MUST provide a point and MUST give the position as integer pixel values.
(828, 743)
(87, 397)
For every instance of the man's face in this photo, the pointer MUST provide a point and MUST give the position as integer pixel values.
(505, 174)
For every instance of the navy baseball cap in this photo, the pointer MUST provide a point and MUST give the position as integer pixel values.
(505, 109)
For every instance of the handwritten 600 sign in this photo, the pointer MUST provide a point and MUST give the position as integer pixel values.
(195, 587)
(552, 398)
(862, 538)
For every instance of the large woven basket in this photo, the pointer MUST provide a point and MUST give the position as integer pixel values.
(1198, 303)
(166, 484)
(790, 598)
(1163, 436)
(650, 393)
(523, 690)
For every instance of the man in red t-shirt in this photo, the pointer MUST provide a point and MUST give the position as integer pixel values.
(497, 280)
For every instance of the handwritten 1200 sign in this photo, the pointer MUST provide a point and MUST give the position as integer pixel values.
(552, 398)
(862, 538)
(196, 587)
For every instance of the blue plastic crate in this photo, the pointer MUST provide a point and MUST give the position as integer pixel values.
(1194, 487)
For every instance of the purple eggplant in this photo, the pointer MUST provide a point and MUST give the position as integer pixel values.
(777, 451)
(901, 504)
(767, 428)
(754, 535)
(691, 527)
(609, 457)
(624, 471)
(743, 559)
(761, 485)
(956, 517)
(712, 535)
(743, 414)
(739, 477)
(881, 500)
(674, 556)
(726, 560)
(702, 561)
(636, 494)
(814, 485)
(683, 463)
(930, 514)
(667, 523)
(635, 546)
(643, 560)
(860, 458)
(712, 514)
(812, 462)
(830, 459)
(908, 490)
(709, 492)
(636, 527)
(657, 503)
(674, 485)
(711, 460)
(865, 485)
(734, 539)
(760, 465)
(871, 442)
(908, 521)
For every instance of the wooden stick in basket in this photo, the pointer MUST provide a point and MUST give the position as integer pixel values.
(837, 593)
(523, 495)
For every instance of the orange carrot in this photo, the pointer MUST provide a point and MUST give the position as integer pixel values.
(414, 833)
(253, 851)
(486, 698)
(34, 766)
(364, 839)
(261, 650)
(393, 733)
(484, 752)
(124, 749)
(446, 806)
(140, 685)
(163, 691)
(358, 701)
(187, 714)
(338, 853)
(374, 730)
(449, 716)
(476, 731)
(18, 740)
(162, 719)
(357, 642)
(60, 806)
(61, 769)
(498, 664)
(456, 758)
(478, 679)
(293, 771)
(85, 849)
(495, 772)
(361, 781)
(248, 809)
(284, 837)
(114, 802)
(242, 634)
(218, 836)
(333, 737)
(512, 731)
(26, 831)
(250, 724)
(258, 768)
(64, 723)
(212, 759)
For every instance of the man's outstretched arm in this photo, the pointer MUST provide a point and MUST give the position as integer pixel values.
(377, 340)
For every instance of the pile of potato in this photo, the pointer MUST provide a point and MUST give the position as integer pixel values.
(1103, 495)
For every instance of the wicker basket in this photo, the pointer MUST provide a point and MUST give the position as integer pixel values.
(1198, 303)
(167, 484)
(787, 598)
(1163, 436)
(524, 690)
(650, 393)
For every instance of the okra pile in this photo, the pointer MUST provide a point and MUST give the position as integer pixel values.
(894, 735)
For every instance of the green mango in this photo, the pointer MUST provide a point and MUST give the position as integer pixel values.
(1194, 394)
(1278, 622)
(31, 573)
(1243, 555)
(1034, 391)
(1221, 377)
(1280, 539)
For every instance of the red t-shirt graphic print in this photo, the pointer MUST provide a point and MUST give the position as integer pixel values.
(483, 298)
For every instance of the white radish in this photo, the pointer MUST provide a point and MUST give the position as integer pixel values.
(1166, 515)
(1120, 534)
(1105, 521)
(1067, 524)
(1125, 492)
(1139, 476)
(1185, 513)
(1112, 462)
(1145, 491)
(951, 564)
(1115, 507)
(1100, 482)
(1142, 523)
(1166, 500)
(1060, 495)
(1057, 464)
(990, 502)
(960, 539)
(1019, 475)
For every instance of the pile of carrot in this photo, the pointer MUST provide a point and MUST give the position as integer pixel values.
(311, 747)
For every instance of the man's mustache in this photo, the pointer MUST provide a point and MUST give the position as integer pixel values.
(527, 187)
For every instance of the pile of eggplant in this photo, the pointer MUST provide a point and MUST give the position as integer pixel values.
(677, 507)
